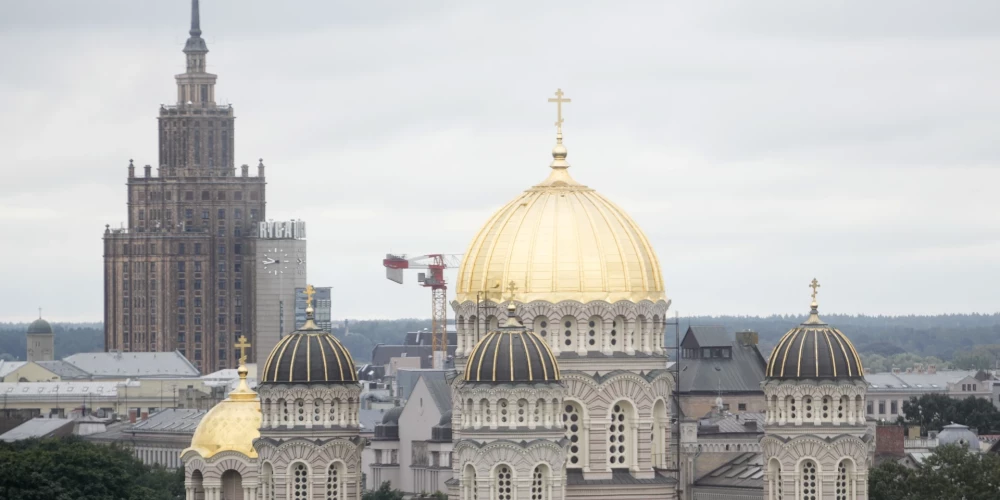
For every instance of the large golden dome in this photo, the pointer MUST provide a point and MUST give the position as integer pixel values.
(231, 425)
(561, 240)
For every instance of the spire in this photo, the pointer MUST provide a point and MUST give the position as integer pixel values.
(195, 44)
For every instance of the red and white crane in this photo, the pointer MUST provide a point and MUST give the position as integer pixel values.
(435, 263)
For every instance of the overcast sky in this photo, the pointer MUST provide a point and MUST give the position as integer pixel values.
(759, 144)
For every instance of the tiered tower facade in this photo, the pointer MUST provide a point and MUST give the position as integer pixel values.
(180, 275)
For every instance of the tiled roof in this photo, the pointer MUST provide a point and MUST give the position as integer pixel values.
(734, 423)
(744, 471)
(133, 364)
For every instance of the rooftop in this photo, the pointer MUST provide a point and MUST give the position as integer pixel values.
(918, 382)
(36, 427)
(133, 364)
(744, 471)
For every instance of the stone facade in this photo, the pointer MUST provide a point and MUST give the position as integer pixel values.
(178, 275)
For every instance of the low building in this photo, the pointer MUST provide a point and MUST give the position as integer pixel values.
(156, 439)
(888, 391)
(715, 363)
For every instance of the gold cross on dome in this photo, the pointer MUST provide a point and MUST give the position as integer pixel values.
(310, 291)
(558, 99)
(511, 287)
(243, 345)
(814, 285)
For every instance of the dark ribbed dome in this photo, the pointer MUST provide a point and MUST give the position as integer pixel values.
(309, 356)
(511, 355)
(40, 326)
(814, 350)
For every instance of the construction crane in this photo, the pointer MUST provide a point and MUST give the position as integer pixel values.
(435, 263)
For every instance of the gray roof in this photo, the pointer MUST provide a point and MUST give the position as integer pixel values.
(574, 477)
(710, 335)
(744, 471)
(733, 423)
(742, 373)
(406, 380)
(36, 427)
(383, 353)
(64, 370)
(958, 434)
(369, 418)
(133, 364)
(171, 421)
(918, 382)
(8, 366)
(437, 385)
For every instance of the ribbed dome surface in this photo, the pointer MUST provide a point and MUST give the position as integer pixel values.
(814, 350)
(231, 425)
(39, 326)
(561, 240)
(511, 355)
(309, 356)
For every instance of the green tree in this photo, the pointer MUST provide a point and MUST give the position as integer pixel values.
(951, 472)
(384, 492)
(72, 469)
(934, 411)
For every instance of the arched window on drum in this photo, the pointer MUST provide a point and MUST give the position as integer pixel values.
(576, 434)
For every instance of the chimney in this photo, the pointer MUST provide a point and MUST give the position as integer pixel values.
(260, 168)
(131, 415)
(131, 169)
(932, 369)
(909, 370)
(895, 370)
(145, 416)
(147, 171)
(747, 337)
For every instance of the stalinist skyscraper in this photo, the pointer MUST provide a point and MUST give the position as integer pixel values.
(180, 275)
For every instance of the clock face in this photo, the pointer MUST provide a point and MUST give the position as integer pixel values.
(275, 261)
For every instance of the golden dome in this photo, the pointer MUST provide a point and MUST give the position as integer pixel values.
(231, 425)
(561, 240)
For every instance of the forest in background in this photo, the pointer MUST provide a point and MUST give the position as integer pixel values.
(967, 341)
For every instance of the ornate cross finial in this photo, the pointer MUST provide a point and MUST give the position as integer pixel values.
(558, 99)
(511, 288)
(815, 286)
(243, 345)
(310, 291)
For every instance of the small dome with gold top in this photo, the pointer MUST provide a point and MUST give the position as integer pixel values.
(308, 355)
(512, 354)
(561, 240)
(814, 350)
(233, 424)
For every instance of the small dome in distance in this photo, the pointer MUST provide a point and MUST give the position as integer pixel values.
(39, 326)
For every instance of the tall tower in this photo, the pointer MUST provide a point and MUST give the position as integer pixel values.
(817, 444)
(180, 275)
(41, 341)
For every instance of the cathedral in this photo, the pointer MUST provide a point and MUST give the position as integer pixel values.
(562, 387)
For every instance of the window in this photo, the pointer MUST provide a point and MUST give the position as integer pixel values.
(894, 407)
(332, 483)
(222, 302)
(180, 302)
(238, 195)
(204, 214)
(197, 319)
(238, 319)
(222, 320)
(237, 231)
(237, 213)
(238, 267)
(221, 196)
(808, 482)
(197, 284)
(197, 301)
(503, 483)
(237, 285)
(170, 195)
(181, 265)
(238, 249)
(142, 214)
(197, 266)
(222, 353)
(254, 196)
(180, 319)
(881, 407)
(870, 410)
(539, 486)
(205, 196)
(197, 248)
(197, 337)
(189, 195)
(253, 214)
(300, 481)
(182, 284)
(222, 213)
(222, 249)
(181, 249)
(742, 406)
(845, 481)
(620, 436)
(180, 336)
(222, 284)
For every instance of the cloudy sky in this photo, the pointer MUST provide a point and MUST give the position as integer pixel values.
(758, 143)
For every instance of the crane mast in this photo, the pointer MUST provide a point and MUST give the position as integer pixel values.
(435, 264)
